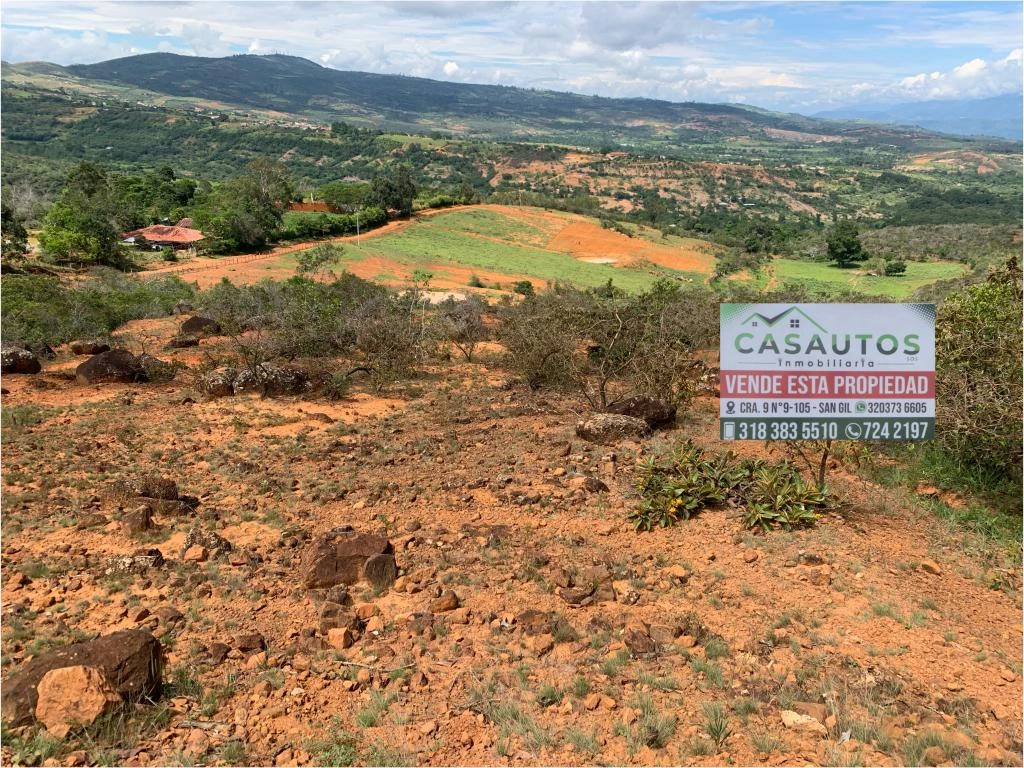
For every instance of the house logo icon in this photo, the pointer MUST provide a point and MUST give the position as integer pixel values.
(794, 316)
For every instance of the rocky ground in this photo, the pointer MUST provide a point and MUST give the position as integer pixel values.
(502, 610)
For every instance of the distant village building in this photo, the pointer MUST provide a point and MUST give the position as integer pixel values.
(180, 236)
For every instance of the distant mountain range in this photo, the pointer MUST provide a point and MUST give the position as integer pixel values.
(1001, 116)
(297, 86)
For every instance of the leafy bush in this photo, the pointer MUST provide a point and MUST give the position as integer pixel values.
(523, 287)
(385, 334)
(39, 309)
(692, 479)
(978, 374)
(299, 225)
(462, 324)
(606, 343)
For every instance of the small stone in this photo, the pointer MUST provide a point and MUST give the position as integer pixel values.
(679, 573)
(428, 727)
(799, 722)
(686, 641)
(592, 701)
(930, 566)
(1008, 675)
(818, 711)
(540, 644)
(750, 556)
(255, 661)
(341, 638)
(196, 554)
(448, 601)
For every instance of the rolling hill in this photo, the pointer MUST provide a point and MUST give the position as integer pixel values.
(296, 86)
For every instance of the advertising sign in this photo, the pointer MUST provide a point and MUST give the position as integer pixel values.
(827, 371)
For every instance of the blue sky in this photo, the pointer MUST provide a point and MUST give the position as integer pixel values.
(800, 56)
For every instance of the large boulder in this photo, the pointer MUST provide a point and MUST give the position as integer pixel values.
(17, 359)
(609, 428)
(272, 380)
(340, 557)
(130, 659)
(93, 347)
(200, 326)
(219, 382)
(157, 369)
(73, 697)
(115, 365)
(150, 486)
(181, 342)
(654, 411)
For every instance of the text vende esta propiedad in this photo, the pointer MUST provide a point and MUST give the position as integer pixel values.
(827, 384)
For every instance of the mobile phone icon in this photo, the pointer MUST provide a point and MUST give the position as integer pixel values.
(729, 430)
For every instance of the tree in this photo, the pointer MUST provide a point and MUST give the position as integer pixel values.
(81, 226)
(844, 246)
(245, 212)
(13, 235)
(317, 258)
(394, 189)
(345, 196)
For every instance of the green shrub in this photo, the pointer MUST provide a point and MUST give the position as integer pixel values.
(978, 373)
(608, 344)
(39, 309)
(523, 287)
(692, 479)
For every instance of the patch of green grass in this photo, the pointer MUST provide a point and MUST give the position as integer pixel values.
(580, 686)
(668, 683)
(992, 510)
(825, 277)
(584, 742)
(914, 748)
(765, 743)
(651, 728)
(431, 242)
(337, 748)
(614, 665)
(744, 708)
(370, 715)
(233, 753)
(716, 723)
(381, 754)
(716, 648)
(548, 695)
(711, 671)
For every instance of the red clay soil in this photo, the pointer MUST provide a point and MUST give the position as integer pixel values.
(891, 628)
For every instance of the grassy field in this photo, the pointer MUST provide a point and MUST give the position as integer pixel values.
(520, 243)
(532, 230)
(495, 242)
(431, 244)
(824, 277)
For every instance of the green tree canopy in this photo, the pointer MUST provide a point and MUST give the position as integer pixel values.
(844, 246)
(243, 213)
(394, 189)
(82, 225)
(345, 196)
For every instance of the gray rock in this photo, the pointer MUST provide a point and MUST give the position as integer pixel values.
(610, 428)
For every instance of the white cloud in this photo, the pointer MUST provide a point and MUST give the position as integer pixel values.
(669, 50)
(976, 78)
